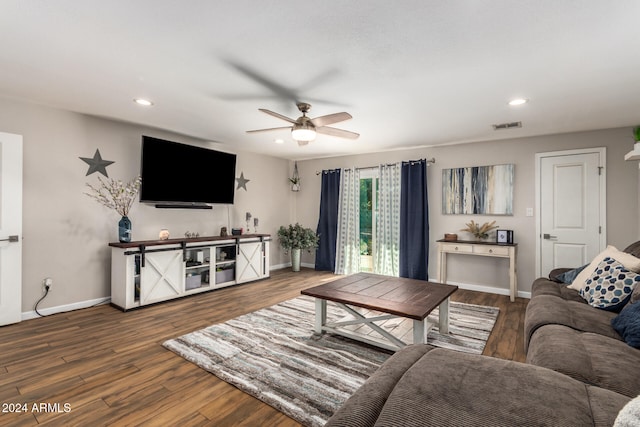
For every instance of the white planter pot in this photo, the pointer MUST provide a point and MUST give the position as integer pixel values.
(295, 259)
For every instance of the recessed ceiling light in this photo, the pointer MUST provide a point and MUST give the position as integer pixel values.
(518, 101)
(279, 141)
(143, 102)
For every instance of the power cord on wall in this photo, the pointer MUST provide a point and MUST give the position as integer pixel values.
(47, 286)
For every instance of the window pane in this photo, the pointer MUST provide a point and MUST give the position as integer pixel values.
(366, 217)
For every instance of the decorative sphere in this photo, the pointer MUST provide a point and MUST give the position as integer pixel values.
(164, 234)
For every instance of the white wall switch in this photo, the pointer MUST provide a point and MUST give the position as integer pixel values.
(529, 211)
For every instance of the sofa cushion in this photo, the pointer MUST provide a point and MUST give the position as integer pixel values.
(591, 358)
(610, 286)
(630, 262)
(364, 407)
(627, 324)
(543, 286)
(449, 388)
(551, 310)
(635, 296)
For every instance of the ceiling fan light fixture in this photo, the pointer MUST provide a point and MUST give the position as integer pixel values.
(303, 132)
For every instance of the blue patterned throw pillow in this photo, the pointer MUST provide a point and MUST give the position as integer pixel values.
(610, 285)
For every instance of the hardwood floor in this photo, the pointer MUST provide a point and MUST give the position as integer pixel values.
(108, 367)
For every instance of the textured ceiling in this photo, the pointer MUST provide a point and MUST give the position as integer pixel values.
(412, 73)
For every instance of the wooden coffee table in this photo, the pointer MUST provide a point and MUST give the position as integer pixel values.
(392, 296)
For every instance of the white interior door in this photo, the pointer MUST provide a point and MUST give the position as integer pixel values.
(571, 207)
(10, 228)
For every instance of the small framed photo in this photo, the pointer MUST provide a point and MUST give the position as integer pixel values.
(504, 236)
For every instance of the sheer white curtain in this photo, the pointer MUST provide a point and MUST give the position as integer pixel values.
(387, 230)
(348, 239)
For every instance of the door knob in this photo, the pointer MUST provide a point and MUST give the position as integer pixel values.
(549, 237)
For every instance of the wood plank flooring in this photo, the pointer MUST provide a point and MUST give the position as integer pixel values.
(108, 367)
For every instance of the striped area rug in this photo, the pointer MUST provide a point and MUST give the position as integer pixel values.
(273, 355)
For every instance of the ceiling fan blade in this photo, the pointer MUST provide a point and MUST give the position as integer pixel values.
(341, 133)
(330, 119)
(269, 129)
(278, 115)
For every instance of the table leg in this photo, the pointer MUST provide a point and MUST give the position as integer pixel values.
(419, 331)
(321, 315)
(443, 313)
(442, 267)
(513, 277)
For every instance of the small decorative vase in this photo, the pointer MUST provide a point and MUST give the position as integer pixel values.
(295, 259)
(124, 230)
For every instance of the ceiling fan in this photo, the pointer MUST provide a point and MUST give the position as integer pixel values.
(304, 128)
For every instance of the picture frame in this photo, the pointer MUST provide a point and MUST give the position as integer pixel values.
(504, 236)
(480, 190)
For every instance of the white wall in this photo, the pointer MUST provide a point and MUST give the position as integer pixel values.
(622, 189)
(66, 233)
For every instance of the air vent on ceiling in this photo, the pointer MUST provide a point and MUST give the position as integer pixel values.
(507, 125)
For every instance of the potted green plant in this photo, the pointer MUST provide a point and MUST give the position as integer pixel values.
(295, 178)
(636, 137)
(294, 239)
(295, 183)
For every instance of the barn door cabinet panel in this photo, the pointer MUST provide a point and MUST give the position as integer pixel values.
(148, 272)
(252, 260)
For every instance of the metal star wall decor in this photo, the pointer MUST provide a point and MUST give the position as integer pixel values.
(242, 182)
(96, 164)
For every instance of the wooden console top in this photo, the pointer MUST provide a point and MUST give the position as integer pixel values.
(180, 240)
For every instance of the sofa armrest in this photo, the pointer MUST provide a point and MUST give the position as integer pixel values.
(364, 407)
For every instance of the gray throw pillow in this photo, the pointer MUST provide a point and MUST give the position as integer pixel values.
(569, 276)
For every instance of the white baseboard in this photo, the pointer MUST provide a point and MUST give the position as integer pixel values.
(488, 289)
(62, 308)
(105, 300)
(288, 265)
(279, 266)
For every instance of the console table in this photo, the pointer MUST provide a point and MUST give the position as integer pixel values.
(468, 247)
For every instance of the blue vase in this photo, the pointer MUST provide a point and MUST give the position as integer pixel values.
(124, 229)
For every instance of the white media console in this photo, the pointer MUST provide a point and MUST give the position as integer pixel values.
(147, 272)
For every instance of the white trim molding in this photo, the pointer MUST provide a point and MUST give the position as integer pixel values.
(63, 308)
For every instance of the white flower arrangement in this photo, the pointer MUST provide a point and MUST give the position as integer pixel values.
(115, 194)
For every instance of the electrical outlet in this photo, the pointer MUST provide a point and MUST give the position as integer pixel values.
(47, 282)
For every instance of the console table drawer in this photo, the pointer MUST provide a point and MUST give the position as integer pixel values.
(455, 247)
(491, 250)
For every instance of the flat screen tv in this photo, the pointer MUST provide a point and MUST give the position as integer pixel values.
(178, 174)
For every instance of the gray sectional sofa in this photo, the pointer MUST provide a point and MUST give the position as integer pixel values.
(564, 333)
(579, 372)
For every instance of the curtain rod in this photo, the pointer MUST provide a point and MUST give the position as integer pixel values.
(429, 162)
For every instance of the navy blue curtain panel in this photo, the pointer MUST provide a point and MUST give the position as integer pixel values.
(328, 220)
(414, 221)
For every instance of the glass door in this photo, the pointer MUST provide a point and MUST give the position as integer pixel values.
(368, 208)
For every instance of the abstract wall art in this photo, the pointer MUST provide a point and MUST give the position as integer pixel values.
(483, 190)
